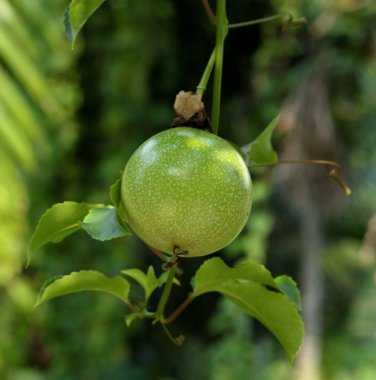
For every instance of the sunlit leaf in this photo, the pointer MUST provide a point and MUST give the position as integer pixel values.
(15, 100)
(26, 69)
(58, 222)
(86, 280)
(252, 288)
(103, 224)
(77, 14)
(261, 150)
(16, 141)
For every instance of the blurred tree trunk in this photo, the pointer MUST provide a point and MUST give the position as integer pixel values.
(311, 196)
(312, 288)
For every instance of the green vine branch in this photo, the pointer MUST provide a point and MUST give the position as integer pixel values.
(289, 22)
(159, 315)
(201, 87)
(221, 33)
(216, 58)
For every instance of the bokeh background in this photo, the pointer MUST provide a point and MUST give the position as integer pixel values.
(69, 119)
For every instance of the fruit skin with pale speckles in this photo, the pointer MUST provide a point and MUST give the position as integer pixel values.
(186, 191)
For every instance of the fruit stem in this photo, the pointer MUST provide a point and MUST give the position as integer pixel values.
(159, 254)
(166, 293)
(221, 32)
(201, 88)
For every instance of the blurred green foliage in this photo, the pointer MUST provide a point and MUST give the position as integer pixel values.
(70, 119)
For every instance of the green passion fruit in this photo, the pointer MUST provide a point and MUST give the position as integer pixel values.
(186, 191)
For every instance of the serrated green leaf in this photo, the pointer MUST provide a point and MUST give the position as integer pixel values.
(148, 281)
(290, 288)
(261, 150)
(214, 270)
(252, 288)
(86, 280)
(77, 14)
(58, 222)
(103, 224)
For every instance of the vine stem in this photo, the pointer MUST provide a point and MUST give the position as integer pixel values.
(221, 32)
(334, 173)
(178, 341)
(216, 58)
(159, 315)
(180, 309)
(260, 20)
